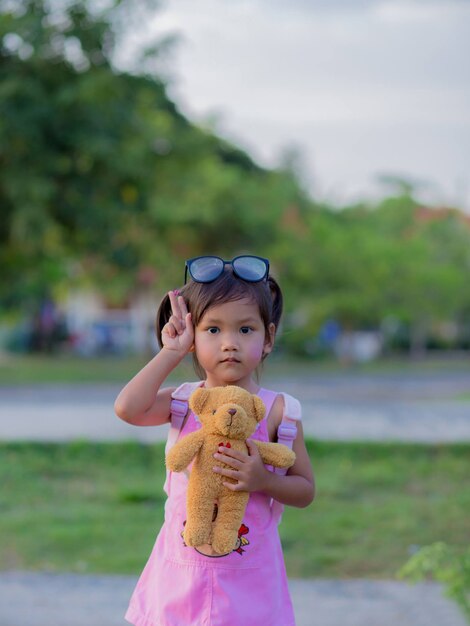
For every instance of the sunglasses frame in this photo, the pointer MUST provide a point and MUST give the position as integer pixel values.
(241, 256)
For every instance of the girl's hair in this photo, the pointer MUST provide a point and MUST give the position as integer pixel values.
(200, 297)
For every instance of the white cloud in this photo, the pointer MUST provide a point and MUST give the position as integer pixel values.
(363, 86)
(419, 11)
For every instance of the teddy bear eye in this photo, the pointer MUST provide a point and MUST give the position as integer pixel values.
(214, 412)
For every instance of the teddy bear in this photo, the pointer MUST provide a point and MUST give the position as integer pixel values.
(228, 415)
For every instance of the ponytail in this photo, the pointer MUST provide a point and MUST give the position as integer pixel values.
(277, 301)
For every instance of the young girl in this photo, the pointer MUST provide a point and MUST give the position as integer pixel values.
(227, 315)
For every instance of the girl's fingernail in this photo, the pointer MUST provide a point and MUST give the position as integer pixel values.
(176, 292)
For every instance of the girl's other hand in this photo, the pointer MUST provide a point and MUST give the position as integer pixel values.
(247, 469)
(178, 332)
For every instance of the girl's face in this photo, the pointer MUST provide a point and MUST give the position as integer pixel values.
(230, 341)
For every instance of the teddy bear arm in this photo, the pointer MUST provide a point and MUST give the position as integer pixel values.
(183, 452)
(275, 454)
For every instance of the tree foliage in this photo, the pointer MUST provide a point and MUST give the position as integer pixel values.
(103, 181)
(447, 565)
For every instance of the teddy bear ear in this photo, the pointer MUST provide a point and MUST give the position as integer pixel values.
(198, 399)
(258, 408)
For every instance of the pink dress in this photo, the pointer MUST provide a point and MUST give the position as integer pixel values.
(183, 587)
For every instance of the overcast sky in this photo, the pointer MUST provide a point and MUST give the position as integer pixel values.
(361, 87)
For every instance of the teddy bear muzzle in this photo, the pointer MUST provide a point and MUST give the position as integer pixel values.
(230, 420)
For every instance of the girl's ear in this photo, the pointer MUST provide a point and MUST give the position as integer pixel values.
(258, 408)
(198, 399)
(269, 339)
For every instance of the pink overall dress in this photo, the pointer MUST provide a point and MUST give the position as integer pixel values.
(183, 587)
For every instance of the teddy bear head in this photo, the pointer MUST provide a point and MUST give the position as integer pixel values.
(229, 411)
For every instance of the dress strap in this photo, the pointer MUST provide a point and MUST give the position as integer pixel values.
(287, 430)
(268, 397)
(286, 433)
(178, 410)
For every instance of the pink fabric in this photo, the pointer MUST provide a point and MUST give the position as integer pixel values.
(182, 587)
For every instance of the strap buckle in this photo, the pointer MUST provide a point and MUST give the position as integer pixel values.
(287, 431)
(179, 408)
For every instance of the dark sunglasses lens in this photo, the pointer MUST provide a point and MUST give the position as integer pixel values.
(250, 268)
(206, 269)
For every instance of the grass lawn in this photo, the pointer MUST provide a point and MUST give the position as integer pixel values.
(26, 369)
(87, 507)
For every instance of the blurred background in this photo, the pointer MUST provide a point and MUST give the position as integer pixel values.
(332, 138)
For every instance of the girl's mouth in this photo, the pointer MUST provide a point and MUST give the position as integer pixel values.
(230, 360)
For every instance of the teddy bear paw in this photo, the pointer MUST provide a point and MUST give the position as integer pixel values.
(224, 543)
(196, 536)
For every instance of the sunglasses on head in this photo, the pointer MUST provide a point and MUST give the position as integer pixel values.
(205, 269)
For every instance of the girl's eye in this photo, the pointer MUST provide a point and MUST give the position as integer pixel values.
(213, 330)
(245, 330)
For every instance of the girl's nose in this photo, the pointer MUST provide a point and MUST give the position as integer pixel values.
(230, 343)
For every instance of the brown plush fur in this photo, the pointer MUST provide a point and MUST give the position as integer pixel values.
(228, 415)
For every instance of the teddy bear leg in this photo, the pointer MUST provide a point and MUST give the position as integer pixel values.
(199, 512)
(229, 519)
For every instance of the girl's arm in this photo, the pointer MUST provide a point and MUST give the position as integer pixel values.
(141, 402)
(297, 487)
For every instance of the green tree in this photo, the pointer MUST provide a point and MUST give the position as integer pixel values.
(101, 175)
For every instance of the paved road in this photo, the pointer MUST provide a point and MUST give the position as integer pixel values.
(429, 407)
(28, 599)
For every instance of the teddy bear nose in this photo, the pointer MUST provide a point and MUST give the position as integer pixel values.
(232, 411)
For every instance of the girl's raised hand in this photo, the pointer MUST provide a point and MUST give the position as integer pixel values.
(178, 332)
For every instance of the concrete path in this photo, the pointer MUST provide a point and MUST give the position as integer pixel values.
(429, 408)
(28, 599)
